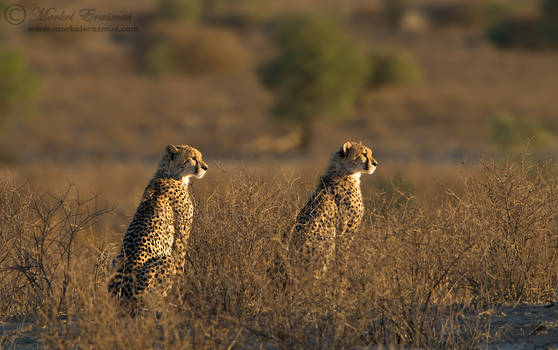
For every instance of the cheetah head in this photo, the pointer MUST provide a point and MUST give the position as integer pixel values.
(353, 159)
(182, 162)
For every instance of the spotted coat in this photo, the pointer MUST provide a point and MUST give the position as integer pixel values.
(324, 227)
(154, 246)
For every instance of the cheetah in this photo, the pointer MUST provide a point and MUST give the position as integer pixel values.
(154, 246)
(330, 217)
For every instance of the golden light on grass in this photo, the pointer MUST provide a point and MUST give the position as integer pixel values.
(421, 272)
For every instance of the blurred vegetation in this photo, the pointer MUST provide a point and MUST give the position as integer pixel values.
(549, 22)
(393, 10)
(243, 13)
(549, 9)
(222, 41)
(192, 49)
(391, 67)
(521, 33)
(525, 32)
(512, 133)
(186, 11)
(3, 23)
(487, 13)
(158, 59)
(470, 13)
(180, 40)
(318, 72)
(18, 86)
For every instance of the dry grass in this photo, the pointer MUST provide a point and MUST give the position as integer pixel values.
(421, 270)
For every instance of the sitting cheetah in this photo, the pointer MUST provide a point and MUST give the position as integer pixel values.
(331, 215)
(154, 246)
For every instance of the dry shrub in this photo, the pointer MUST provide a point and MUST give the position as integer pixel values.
(193, 49)
(513, 223)
(241, 216)
(419, 272)
(427, 269)
(40, 235)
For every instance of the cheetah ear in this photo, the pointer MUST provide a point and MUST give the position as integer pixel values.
(344, 150)
(172, 150)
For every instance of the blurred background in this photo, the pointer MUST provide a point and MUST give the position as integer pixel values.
(428, 84)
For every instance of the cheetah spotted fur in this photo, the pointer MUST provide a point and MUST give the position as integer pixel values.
(154, 246)
(330, 217)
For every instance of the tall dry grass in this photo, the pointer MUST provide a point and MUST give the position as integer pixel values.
(420, 271)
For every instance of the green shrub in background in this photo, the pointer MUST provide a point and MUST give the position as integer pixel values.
(187, 11)
(511, 133)
(318, 72)
(18, 86)
(193, 49)
(390, 67)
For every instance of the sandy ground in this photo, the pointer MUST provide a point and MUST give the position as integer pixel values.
(525, 327)
(512, 328)
(18, 333)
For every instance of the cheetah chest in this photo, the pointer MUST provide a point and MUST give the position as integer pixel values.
(350, 207)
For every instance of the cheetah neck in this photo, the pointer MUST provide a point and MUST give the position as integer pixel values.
(186, 180)
(352, 180)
